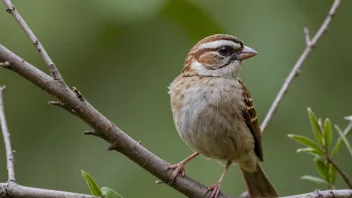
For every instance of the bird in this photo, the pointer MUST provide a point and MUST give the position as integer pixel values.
(214, 113)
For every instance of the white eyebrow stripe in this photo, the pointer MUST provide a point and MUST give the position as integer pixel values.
(218, 43)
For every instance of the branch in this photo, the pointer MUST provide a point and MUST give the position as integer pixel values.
(17, 191)
(6, 134)
(117, 139)
(325, 194)
(52, 68)
(296, 68)
(339, 170)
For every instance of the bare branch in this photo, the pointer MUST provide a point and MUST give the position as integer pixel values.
(17, 191)
(324, 194)
(6, 134)
(52, 68)
(296, 68)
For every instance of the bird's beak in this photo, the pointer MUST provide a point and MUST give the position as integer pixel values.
(246, 52)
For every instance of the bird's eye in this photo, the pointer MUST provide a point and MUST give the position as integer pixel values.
(225, 50)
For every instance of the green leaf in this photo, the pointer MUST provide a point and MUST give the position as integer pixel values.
(339, 140)
(322, 168)
(94, 188)
(327, 134)
(110, 193)
(332, 173)
(314, 179)
(348, 118)
(344, 139)
(315, 126)
(310, 151)
(338, 143)
(305, 141)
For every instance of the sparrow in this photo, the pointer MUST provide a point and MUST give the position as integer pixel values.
(214, 113)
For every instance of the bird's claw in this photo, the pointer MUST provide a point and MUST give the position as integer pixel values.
(215, 190)
(179, 168)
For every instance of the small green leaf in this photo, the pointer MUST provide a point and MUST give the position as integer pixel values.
(305, 141)
(322, 169)
(315, 126)
(110, 193)
(332, 173)
(327, 134)
(94, 188)
(310, 151)
(348, 118)
(338, 143)
(344, 139)
(314, 179)
(339, 140)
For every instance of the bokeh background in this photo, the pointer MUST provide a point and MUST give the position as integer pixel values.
(122, 55)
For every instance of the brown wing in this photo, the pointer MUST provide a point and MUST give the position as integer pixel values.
(250, 117)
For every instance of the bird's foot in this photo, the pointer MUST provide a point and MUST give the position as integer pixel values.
(179, 168)
(215, 189)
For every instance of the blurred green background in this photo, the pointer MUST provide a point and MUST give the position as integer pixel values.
(122, 55)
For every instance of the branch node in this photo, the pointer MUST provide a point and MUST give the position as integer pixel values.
(94, 133)
(78, 94)
(62, 105)
(110, 147)
(9, 10)
(159, 182)
(308, 40)
(57, 103)
(298, 72)
(5, 64)
(137, 143)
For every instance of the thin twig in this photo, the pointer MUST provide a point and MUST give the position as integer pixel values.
(6, 134)
(339, 170)
(18, 191)
(52, 68)
(295, 70)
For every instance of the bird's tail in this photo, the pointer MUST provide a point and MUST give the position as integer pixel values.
(258, 185)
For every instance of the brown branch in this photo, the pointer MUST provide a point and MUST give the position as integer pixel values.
(119, 140)
(296, 68)
(18, 191)
(339, 170)
(52, 68)
(6, 134)
(324, 194)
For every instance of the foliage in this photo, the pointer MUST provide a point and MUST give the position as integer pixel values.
(321, 150)
(104, 192)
